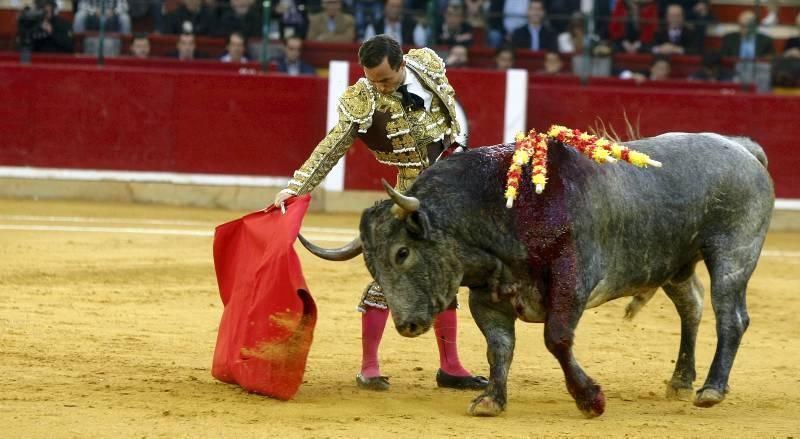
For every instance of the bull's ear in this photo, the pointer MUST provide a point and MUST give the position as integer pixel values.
(418, 224)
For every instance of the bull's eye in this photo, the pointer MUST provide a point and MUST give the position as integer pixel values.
(401, 255)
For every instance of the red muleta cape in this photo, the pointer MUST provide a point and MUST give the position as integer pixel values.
(268, 322)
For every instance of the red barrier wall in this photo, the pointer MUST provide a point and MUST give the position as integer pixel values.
(482, 95)
(126, 118)
(769, 120)
(134, 119)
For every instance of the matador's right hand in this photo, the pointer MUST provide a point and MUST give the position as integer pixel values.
(281, 197)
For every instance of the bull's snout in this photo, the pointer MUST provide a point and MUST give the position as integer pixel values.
(413, 328)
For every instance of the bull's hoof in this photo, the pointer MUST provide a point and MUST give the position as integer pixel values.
(484, 405)
(708, 397)
(594, 406)
(679, 393)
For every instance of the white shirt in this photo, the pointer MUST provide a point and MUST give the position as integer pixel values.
(416, 87)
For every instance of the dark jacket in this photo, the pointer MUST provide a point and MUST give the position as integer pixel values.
(688, 40)
(548, 39)
(58, 41)
(731, 43)
(406, 28)
(203, 21)
(305, 68)
(249, 25)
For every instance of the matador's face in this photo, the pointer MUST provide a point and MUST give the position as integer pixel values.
(385, 79)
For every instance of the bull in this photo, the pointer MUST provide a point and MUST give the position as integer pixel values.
(595, 234)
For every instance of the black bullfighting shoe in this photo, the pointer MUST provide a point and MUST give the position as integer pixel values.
(375, 383)
(475, 382)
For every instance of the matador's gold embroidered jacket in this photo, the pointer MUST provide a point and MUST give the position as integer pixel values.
(396, 135)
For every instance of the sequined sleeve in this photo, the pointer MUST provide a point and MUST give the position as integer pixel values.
(325, 156)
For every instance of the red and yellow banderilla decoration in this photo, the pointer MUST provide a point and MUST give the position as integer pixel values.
(533, 149)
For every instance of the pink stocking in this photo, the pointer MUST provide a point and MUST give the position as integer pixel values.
(373, 322)
(446, 328)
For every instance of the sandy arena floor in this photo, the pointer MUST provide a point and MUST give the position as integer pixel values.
(109, 333)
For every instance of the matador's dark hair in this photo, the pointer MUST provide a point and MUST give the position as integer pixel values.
(375, 49)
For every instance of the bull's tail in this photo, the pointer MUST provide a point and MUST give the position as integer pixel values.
(752, 147)
(637, 303)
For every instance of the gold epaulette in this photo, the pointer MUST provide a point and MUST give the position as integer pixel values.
(357, 104)
(426, 60)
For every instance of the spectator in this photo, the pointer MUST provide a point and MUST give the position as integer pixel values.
(676, 38)
(455, 29)
(476, 13)
(242, 16)
(394, 23)
(711, 69)
(332, 25)
(365, 13)
(53, 34)
(191, 17)
(236, 45)
(792, 47)
(699, 15)
(292, 61)
(292, 16)
(504, 58)
(116, 12)
(633, 25)
(152, 8)
(747, 43)
(561, 12)
(660, 69)
(140, 46)
(536, 35)
(458, 56)
(553, 64)
(571, 40)
(186, 48)
(505, 16)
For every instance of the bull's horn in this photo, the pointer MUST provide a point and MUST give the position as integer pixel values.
(349, 251)
(409, 204)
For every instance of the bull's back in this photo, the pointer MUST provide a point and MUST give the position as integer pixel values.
(637, 228)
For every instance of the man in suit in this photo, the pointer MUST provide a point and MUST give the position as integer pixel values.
(332, 25)
(292, 62)
(404, 110)
(395, 24)
(748, 43)
(536, 35)
(676, 38)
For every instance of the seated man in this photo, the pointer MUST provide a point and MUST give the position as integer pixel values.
(185, 48)
(191, 17)
(676, 38)
(116, 15)
(536, 35)
(236, 44)
(292, 61)
(747, 43)
(140, 46)
(51, 34)
(332, 25)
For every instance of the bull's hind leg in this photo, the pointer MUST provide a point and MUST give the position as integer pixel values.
(730, 268)
(496, 322)
(687, 296)
(564, 309)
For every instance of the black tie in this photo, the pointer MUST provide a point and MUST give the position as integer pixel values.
(410, 100)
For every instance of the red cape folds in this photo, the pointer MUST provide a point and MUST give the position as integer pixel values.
(268, 322)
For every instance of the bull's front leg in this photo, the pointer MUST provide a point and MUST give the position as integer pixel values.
(496, 322)
(564, 310)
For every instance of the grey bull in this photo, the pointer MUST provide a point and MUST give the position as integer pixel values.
(595, 234)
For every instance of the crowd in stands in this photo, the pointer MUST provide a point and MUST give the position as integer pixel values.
(661, 28)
